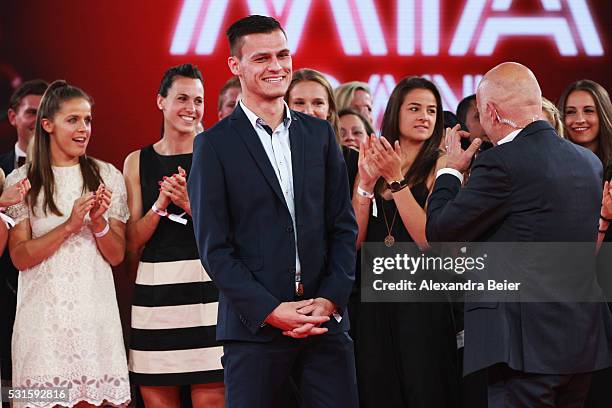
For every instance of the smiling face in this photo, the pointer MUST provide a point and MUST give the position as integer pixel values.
(24, 118)
(417, 116)
(309, 97)
(581, 119)
(352, 131)
(69, 131)
(264, 67)
(183, 108)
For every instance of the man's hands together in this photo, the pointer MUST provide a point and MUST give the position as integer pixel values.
(302, 318)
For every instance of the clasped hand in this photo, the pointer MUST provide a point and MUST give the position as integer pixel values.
(302, 318)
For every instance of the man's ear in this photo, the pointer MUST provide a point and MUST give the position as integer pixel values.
(11, 117)
(161, 102)
(491, 112)
(233, 64)
(47, 125)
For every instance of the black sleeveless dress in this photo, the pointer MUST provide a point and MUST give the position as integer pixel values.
(406, 353)
(174, 312)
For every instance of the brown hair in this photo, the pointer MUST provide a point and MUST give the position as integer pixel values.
(425, 161)
(307, 74)
(40, 172)
(233, 82)
(33, 87)
(366, 123)
(604, 112)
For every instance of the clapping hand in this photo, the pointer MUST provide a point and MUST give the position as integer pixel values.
(457, 158)
(80, 208)
(369, 172)
(606, 201)
(101, 203)
(175, 188)
(15, 194)
(388, 159)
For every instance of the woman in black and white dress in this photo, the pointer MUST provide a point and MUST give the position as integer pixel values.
(174, 312)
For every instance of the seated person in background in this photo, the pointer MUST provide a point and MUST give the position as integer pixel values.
(355, 95)
(228, 96)
(354, 128)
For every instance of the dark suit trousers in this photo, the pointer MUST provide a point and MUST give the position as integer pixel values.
(256, 373)
(509, 388)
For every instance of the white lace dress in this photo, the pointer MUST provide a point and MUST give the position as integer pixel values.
(67, 330)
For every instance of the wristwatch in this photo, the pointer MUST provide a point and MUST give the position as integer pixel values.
(397, 185)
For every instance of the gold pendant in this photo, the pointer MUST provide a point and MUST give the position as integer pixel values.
(389, 240)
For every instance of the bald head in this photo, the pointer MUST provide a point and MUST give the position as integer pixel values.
(509, 91)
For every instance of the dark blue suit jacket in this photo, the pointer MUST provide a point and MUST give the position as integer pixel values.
(244, 229)
(537, 188)
(7, 161)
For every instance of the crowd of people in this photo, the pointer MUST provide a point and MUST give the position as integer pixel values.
(247, 238)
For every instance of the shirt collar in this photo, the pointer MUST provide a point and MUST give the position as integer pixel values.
(256, 121)
(509, 137)
(19, 152)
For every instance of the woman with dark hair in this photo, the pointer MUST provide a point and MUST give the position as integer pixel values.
(174, 311)
(406, 352)
(310, 92)
(587, 116)
(354, 128)
(70, 230)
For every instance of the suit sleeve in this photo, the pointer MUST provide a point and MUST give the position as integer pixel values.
(211, 222)
(465, 214)
(341, 229)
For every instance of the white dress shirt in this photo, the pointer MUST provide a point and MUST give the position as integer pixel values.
(278, 149)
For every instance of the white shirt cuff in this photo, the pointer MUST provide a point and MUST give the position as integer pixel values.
(448, 170)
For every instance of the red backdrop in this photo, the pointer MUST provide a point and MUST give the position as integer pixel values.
(118, 50)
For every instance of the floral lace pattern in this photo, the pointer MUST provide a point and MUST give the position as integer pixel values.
(67, 330)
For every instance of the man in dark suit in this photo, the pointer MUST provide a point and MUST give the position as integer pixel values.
(276, 231)
(532, 187)
(23, 106)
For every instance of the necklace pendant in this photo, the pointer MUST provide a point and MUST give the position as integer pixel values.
(389, 240)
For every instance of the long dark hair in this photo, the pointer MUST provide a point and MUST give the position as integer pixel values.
(40, 172)
(425, 161)
(604, 112)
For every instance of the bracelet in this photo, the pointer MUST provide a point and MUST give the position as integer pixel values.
(604, 218)
(603, 231)
(364, 193)
(161, 213)
(103, 232)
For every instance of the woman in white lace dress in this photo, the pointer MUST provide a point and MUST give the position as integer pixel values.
(69, 231)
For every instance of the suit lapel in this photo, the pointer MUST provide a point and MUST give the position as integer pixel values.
(241, 125)
(296, 137)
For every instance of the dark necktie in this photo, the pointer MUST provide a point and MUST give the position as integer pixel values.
(20, 161)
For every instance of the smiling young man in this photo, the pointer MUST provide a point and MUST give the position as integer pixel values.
(276, 232)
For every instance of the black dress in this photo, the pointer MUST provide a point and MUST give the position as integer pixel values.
(174, 312)
(406, 352)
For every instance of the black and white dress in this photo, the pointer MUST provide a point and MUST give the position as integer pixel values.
(174, 312)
